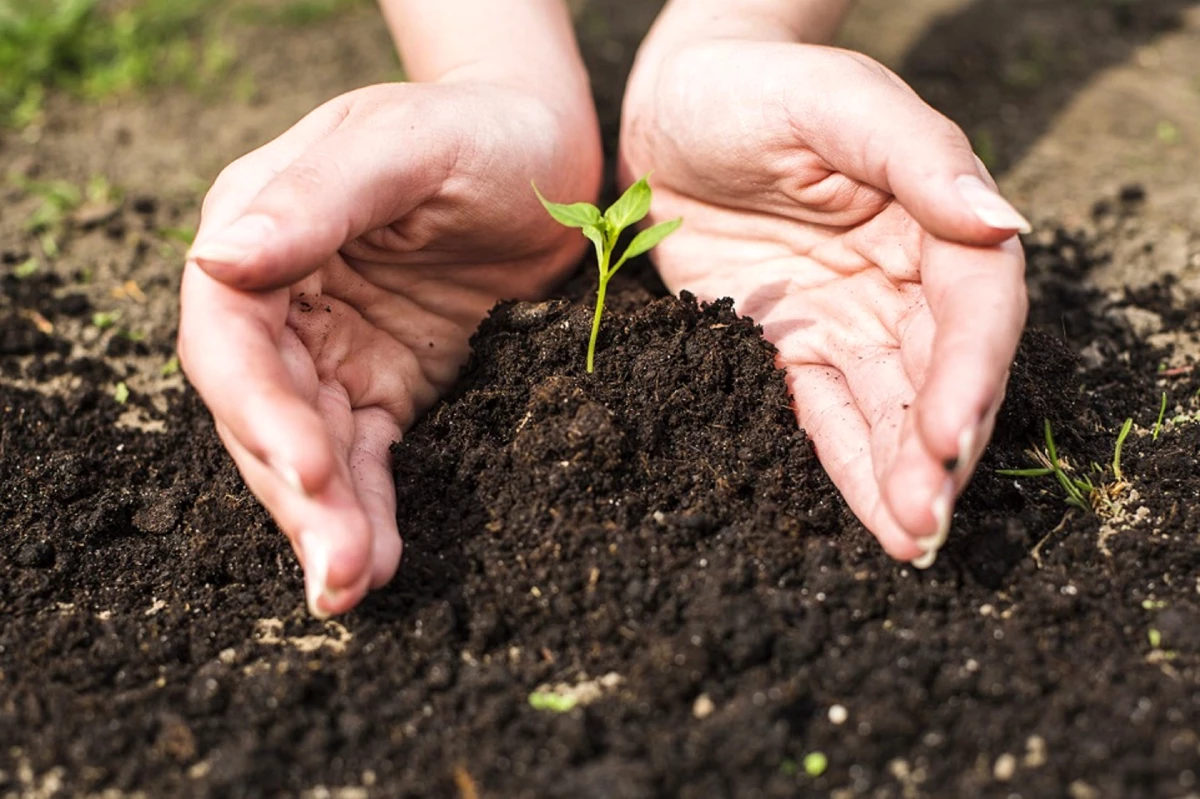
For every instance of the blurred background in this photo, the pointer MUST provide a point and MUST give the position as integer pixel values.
(115, 115)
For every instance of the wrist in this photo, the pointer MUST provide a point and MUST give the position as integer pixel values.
(685, 22)
(525, 44)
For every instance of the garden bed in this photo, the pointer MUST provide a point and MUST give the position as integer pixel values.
(635, 583)
(658, 532)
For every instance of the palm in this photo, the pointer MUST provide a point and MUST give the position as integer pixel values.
(355, 311)
(894, 340)
(837, 288)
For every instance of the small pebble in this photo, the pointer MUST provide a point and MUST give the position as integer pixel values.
(838, 714)
(1005, 768)
(1035, 752)
(703, 707)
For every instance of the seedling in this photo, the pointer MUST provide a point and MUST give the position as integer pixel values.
(58, 198)
(27, 269)
(555, 703)
(603, 230)
(121, 393)
(815, 764)
(183, 235)
(1081, 492)
(105, 319)
(1162, 411)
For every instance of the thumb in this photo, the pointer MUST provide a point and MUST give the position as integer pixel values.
(343, 186)
(924, 159)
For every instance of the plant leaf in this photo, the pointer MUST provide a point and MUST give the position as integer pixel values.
(1025, 472)
(573, 215)
(650, 238)
(630, 208)
(596, 234)
(548, 700)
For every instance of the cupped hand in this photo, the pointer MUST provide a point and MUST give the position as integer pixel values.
(854, 224)
(337, 276)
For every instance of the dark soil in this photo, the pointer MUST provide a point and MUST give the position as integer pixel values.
(662, 521)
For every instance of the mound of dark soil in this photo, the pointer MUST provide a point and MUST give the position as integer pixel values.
(658, 533)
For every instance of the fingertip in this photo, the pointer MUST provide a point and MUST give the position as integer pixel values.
(385, 558)
(230, 253)
(996, 213)
(911, 491)
(337, 569)
(899, 545)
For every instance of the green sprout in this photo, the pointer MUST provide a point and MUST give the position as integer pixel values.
(815, 764)
(1121, 436)
(555, 703)
(27, 269)
(121, 394)
(1162, 411)
(57, 199)
(170, 367)
(183, 235)
(105, 319)
(604, 230)
(1081, 492)
(1154, 637)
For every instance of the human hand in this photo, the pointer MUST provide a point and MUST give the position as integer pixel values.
(337, 276)
(856, 226)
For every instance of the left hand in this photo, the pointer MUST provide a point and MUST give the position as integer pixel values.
(337, 276)
(854, 223)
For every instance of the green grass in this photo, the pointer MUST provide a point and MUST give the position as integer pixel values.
(299, 13)
(1102, 496)
(98, 48)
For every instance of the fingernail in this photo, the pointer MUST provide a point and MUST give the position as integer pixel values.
(966, 446)
(941, 510)
(316, 572)
(236, 243)
(288, 474)
(990, 207)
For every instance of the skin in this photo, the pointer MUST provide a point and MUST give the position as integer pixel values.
(855, 224)
(339, 270)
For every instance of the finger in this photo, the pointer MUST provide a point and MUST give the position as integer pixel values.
(241, 181)
(978, 302)
(881, 390)
(254, 394)
(371, 470)
(916, 346)
(915, 475)
(255, 398)
(830, 417)
(335, 578)
(338, 189)
(922, 158)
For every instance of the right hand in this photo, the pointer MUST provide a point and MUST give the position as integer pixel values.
(337, 276)
(854, 223)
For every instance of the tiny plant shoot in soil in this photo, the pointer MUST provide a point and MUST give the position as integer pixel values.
(1162, 411)
(604, 230)
(1101, 498)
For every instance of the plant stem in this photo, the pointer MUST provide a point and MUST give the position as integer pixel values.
(596, 323)
(605, 258)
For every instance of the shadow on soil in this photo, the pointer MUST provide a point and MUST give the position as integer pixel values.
(1004, 69)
